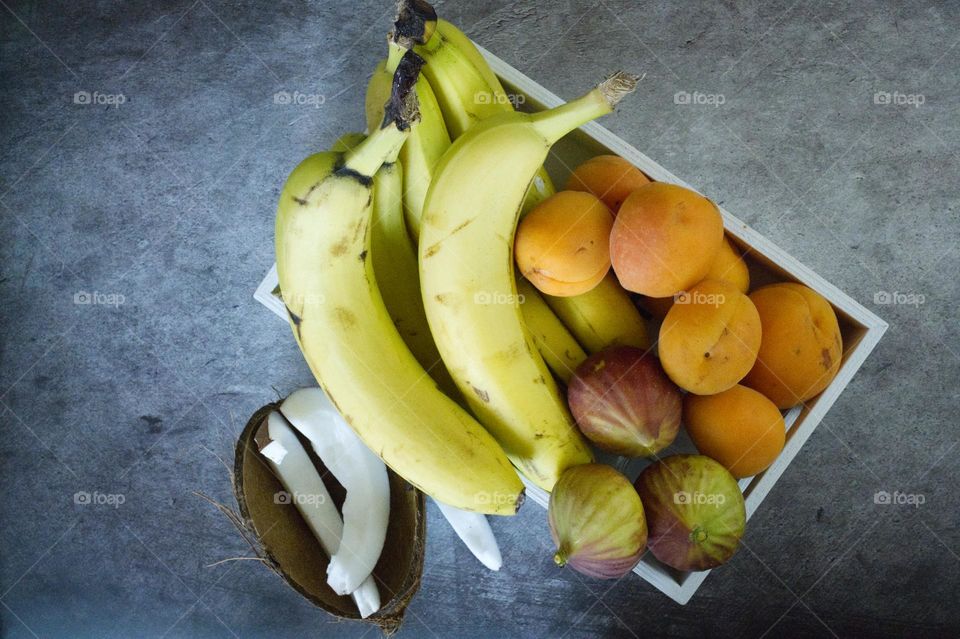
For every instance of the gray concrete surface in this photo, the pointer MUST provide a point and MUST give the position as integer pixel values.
(161, 209)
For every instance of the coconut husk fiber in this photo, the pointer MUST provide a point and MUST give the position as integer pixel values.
(287, 545)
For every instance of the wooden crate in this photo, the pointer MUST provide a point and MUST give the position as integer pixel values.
(861, 329)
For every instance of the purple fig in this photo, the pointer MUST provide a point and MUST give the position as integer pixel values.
(624, 402)
(596, 521)
(695, 511)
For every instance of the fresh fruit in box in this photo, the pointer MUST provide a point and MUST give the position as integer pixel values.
(695, 511)
(740, 428)
(801, 349)
(562, 246)
(665, 239)
(398, 254)
(624, 403)
(597, 522)
(709, 338)
(609, 177)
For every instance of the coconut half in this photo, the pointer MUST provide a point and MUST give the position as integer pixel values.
(291, 550)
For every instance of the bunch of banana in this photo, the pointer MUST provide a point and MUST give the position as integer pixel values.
(466, 88)
(398, 273)
(603, 316)
(338, 316)
(469, 288)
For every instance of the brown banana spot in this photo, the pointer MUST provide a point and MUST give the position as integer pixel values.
(345, 317)
(339, 248)
(462, 226)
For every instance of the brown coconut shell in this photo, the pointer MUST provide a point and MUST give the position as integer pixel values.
(287, 545)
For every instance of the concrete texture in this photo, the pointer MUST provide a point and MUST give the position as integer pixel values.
(160, 209)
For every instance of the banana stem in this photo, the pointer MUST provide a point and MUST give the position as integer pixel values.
(416, 20)
(400, 112)
(402, 108)
(395, 51)
(381, 146)
(554, 123)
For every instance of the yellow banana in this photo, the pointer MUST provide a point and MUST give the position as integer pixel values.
(337, 314)
(603, 316)
(559, 349)
(469, 291)
(398, 278)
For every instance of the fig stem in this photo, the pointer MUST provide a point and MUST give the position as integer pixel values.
(698, 535)
(560, 558)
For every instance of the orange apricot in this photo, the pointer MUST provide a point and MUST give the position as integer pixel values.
(727, 267)
(665, 239)
(740, 428)
(562, 246)
(802, 347)
(609, 177)
(709, 338)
